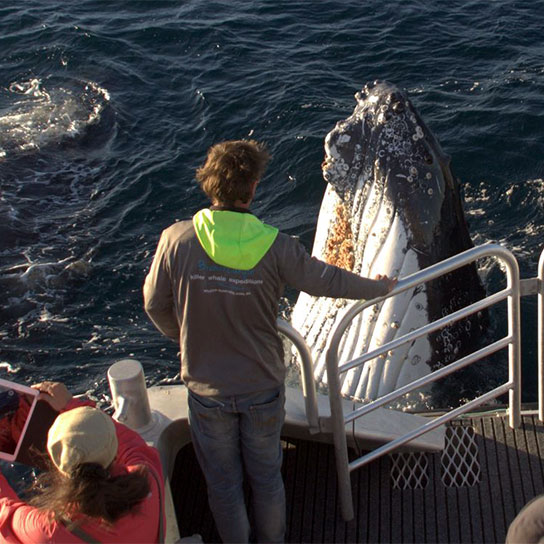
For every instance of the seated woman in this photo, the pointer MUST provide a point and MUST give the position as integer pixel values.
(104, 483)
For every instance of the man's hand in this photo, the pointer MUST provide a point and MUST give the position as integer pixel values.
(389, 282)
(55, 393)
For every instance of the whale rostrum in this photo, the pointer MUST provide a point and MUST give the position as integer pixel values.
(391, 206)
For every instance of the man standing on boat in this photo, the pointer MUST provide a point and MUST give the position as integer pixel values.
(214, 286)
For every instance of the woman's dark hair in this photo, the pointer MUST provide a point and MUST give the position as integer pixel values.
(90, 490)
(230, 170)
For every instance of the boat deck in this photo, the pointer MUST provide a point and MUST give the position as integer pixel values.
(468, 493)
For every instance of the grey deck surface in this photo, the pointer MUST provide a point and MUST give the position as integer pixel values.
(469, 494)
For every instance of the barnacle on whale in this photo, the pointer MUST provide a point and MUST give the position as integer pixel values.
(339, 249)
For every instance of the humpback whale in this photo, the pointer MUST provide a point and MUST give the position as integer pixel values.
(391, 206)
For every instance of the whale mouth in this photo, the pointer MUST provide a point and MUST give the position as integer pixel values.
(392, 206)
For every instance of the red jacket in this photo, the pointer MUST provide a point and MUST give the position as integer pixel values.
(21, 523)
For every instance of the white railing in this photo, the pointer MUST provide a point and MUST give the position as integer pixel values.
(540, 294)
(511, 341)
(306, 372)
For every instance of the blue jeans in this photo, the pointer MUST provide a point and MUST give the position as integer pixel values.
(233, 433)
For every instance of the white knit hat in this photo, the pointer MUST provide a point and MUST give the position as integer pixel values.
(82, 435)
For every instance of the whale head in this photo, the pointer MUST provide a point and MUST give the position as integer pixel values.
(392, 206)
(385, 148)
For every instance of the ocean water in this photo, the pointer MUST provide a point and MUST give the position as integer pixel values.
(107, 108)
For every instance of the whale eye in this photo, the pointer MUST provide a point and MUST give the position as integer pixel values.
(428, 158)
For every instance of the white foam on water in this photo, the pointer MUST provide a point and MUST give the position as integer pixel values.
(43, 114)
(10, 369)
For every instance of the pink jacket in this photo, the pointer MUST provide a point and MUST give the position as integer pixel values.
(21, 523)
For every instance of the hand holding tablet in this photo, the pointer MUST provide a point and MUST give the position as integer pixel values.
(55, 393)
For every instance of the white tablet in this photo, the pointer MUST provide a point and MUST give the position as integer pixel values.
(11, 396)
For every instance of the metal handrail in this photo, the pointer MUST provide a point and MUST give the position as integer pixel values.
(432, 424)
(307, 373)
(434, 376)
(540, 297)
(512, 341)
(427, 329)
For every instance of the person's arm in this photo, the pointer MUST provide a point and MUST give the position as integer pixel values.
(318, 278)
(6, 491)
(158, 295)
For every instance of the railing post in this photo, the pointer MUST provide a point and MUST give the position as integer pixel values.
(541, 337)
(514, 348)
(307, 373)
(340, 443)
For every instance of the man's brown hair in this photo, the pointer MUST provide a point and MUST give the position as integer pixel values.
(230, 170)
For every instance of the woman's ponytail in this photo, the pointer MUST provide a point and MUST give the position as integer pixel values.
(90, 490)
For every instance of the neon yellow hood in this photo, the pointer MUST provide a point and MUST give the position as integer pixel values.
(232, 239)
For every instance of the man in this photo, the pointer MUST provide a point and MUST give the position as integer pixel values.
(214, 286)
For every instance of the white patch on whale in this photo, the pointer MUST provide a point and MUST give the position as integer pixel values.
(376, 325)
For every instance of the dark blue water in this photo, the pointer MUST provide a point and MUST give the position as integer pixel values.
(107, 108)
